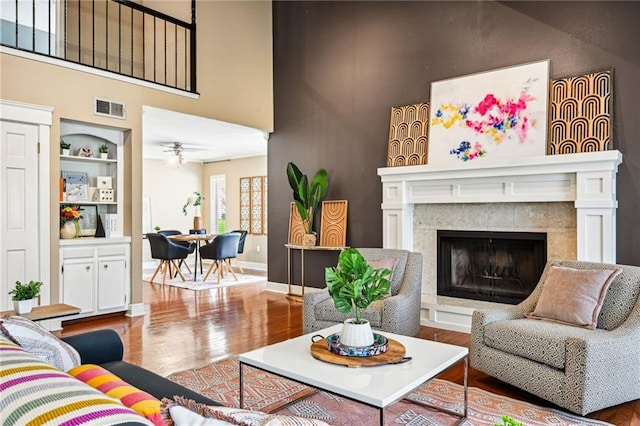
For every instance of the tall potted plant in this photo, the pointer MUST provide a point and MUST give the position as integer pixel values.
(23, 296)
(307, 195)
(354, 285)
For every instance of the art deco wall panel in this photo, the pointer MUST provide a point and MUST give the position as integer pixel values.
(333, 228)
(253, 204)
(296, 228)
(408, 135)
(580, 113)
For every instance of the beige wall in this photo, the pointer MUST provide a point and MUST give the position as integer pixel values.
(234, 70)
(255, 248)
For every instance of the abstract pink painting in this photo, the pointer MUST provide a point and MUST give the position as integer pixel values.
(489, 116)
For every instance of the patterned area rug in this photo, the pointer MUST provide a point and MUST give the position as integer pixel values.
(220, 382)
(190, 284)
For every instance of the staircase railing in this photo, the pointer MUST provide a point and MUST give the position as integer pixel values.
(118, 36)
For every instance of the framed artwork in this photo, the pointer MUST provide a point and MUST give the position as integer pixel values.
(408, 135)
(489, 116)
(89, 220)
(296, 228)
(75, 177)
(77, 192)
(333, 228)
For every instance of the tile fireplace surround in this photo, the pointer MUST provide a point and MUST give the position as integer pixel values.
(575, 194)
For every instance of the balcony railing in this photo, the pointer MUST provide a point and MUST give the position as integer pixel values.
(118, 36)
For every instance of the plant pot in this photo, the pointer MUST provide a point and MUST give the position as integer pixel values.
(356, 335)
(23, 306)
(66, 151)
(309, 239)
(104, 155)
(69, 230)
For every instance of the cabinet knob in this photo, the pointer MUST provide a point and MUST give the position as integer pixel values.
(105, 266)
(88, 267)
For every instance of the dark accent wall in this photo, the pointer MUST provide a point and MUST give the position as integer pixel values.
(339, 67)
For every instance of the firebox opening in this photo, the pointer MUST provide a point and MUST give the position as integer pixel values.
(501, 267)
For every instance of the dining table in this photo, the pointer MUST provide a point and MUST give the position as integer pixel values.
(198, 239)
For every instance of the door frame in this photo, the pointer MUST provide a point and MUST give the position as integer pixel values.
(41, 116)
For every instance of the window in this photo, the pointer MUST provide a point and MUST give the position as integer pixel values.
(217, 197)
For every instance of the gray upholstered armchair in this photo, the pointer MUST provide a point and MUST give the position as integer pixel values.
(398, 313)
(576, 368)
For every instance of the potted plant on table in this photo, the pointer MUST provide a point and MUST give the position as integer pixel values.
(307, 195)
(23, 296)
(354, 285)
(104, 151)
(195, 199)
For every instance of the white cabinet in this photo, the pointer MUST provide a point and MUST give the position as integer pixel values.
(94, 275)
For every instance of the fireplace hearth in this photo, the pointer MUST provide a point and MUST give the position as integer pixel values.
(501, 267)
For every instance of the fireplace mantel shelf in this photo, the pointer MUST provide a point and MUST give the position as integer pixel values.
(586, 179)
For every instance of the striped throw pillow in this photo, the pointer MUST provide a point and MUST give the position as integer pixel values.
(110, 384)
(36, 393)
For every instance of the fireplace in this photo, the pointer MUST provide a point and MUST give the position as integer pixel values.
(499, 267)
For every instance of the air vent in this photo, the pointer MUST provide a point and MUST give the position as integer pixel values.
(109, 108)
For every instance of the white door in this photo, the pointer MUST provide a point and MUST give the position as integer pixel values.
(20, 211)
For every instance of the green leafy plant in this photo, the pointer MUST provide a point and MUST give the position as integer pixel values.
(354, 284)
(194, 199)
(307, 195)
(26, 291)
(157, 228)
(508, 421)
(104, 149)
(64, 145)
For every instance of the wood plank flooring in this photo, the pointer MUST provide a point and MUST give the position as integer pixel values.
(186, 329)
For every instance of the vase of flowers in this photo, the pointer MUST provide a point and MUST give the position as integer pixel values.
(195, 200)
(69, 225)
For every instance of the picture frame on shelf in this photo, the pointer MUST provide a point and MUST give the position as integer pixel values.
(75, 177)
(89, 221)
(77, 192)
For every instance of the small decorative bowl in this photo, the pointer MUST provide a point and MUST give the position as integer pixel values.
(380, 346)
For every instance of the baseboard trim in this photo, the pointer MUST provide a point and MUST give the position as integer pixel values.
(136, 310)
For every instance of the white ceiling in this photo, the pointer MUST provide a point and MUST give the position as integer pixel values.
(209, 140)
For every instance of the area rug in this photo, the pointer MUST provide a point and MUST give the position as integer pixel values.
(190, 284)
(263, 391)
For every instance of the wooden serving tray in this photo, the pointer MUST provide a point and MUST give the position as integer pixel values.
(394, 354)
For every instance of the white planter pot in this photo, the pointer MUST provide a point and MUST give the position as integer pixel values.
(104, 155)
(356, 335)
(23, 306)
(66, 151)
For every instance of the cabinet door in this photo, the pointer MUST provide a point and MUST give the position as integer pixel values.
(78, 283)
(112, 283)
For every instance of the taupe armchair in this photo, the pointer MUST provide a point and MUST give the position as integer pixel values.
(579, 369)
(399, 313)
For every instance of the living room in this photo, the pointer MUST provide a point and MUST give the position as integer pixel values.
(338, 68)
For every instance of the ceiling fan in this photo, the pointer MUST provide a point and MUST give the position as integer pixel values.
(177, 148)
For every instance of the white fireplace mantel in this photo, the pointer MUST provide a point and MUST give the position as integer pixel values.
(587, 179)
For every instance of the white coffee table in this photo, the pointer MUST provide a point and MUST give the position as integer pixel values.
(378, 386)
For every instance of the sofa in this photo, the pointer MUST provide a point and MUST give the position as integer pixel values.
(399, 313)
(574, 341)
(83, 379)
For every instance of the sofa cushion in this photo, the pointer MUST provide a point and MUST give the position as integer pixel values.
(573, 296)
(40, 342)
(34, 392)
(400, 256)
(538, 341)
(141, 402)
(326, 311)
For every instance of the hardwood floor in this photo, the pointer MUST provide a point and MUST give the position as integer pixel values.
(186, 329)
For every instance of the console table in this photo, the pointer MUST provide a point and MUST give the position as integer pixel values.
(302, 249)
(39, 313)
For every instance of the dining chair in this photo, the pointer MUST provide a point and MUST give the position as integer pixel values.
(191, 245)
(243, 237)
(221, 250)
(167, 252)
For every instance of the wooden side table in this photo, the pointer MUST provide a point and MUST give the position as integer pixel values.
(302, 249)
(46, 312)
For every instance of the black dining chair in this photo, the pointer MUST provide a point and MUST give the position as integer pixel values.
(221, 250)
(167, 252)
(243, 237)
(191, 245)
